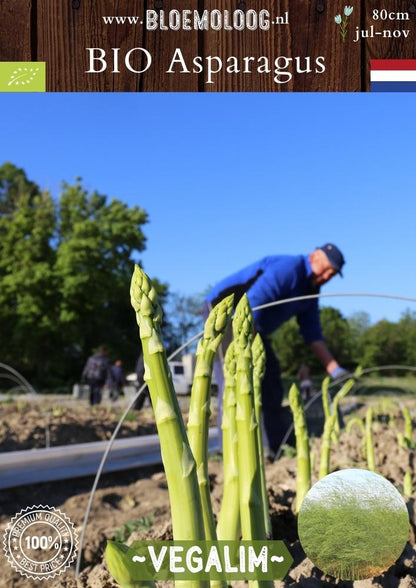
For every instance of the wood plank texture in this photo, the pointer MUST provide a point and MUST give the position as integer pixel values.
(66, 29)
(60, 33)
(15, 30)
(315, 33)
(162, 45)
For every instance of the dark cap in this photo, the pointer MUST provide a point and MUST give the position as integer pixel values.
(334, 255)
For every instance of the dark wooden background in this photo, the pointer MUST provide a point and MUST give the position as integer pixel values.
(58, 31)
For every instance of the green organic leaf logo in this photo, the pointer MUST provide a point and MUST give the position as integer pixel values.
(23, 76)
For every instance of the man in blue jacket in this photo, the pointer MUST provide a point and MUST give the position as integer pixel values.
(273, 278)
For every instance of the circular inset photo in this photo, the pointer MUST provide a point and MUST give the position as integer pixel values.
(353, 524)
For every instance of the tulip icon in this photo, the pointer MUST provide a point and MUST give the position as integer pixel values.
(343, 22)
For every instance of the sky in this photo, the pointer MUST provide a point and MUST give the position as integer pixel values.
(229, 178)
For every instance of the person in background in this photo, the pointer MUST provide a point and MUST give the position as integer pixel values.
(117, 380)
(95, 373)
(139, 382)
(274, 278)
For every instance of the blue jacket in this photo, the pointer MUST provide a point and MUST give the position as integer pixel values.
(276, 277)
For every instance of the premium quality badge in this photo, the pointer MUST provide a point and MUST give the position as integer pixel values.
(40, 542)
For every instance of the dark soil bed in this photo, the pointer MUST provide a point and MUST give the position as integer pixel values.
(141, 496)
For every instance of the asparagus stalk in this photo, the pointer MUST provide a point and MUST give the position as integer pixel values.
(408, 426)
(199, 410)
(326, 446)
(401, 440)
(251, 503)
(408, 483)
(121, 568)
(303, 478)
(355, 421)
(228, 527)
(251, 499)
(340, 395)
(179, 463)
(259, 369)
(325, 397)
(371, 462)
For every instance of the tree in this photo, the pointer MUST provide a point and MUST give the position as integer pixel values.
(407, 330)
(27, 284)
(13, 184)
(65, 270)
(358, 322)
(291, 350)
(96, 241)
(382, 344)
(184, 319)
(337, 334)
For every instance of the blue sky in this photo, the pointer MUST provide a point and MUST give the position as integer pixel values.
(229, 178)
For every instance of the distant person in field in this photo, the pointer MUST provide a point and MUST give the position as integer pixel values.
(139, 382)
(96, 373)
(116, 380)
(273, 278)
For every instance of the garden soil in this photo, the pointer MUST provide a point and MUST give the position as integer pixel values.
(135, 502)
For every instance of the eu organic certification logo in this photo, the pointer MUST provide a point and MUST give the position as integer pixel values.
(22, 76)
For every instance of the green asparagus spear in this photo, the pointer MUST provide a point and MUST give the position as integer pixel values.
(228, 527)
(326, 446)
(181, 475)
(408, 483)
(251, 503)
(408, 426)
(340, 395)
(121, 568)
(251, 498)
(325, 397)
(259, 368)
(303, 478)
(199, 410)
(371, 462)
(355, 421)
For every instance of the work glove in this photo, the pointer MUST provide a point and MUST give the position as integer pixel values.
(340, 372)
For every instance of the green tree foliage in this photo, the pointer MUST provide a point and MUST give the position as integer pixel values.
(291, 350)
(358, 322)
(337, 334)
(407, 328)
(353, 341)
(27, 281)
(388, 343)
(184, 319)
(381, 345)
(65, 270)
